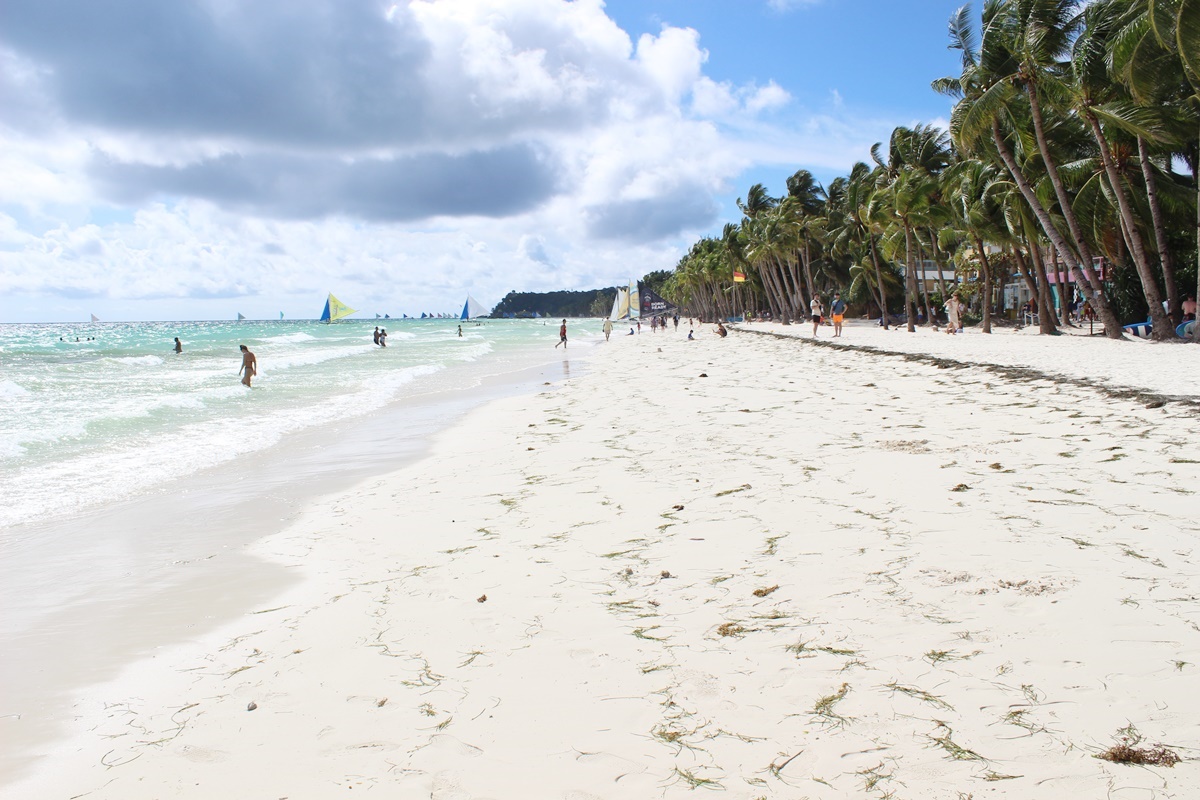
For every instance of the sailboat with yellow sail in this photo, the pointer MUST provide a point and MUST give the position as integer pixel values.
(335, 309)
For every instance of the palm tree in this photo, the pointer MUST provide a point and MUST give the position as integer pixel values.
(1012, 55)
(976, 190)
(1092, 89)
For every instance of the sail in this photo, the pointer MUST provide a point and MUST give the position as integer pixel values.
(653, 305)
(281, 315)
(335, 309)
(241, 316)
(620, 309)
(472, 309)
(635, 302)
(95, 318)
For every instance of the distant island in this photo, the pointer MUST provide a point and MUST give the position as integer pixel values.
(586, 303)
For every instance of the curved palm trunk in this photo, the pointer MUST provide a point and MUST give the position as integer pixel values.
(1161, 329)
(1112, 327)
(986, 325)
(1046, 323)
(910, 281)
(1060, 288)
(883, 291)
(1174, 301)
(1026, 274)
(937, 262)
(791, 288)
(805, 263)
(1084, 276)
(774, 295)
(930, 319)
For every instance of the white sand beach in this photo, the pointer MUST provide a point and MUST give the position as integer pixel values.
(747, 564)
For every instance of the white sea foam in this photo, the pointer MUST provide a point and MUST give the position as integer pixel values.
(11, 391)
(128, 469)
(474, 352)
(299, 336)
(310, 357)
(125, 417)
(146, 361)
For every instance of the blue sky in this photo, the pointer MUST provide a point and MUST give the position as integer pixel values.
(196, 159)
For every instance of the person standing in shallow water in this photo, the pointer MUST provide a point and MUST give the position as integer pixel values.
(562, 335)
(249, 365)
(178, 345)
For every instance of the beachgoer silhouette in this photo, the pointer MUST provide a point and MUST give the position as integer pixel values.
(178, 345)
(607, 328)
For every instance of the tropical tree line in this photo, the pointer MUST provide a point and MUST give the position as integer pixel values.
(1070, 166)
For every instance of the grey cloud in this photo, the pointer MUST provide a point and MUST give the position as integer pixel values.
(493, 183)
(319, 73)
(533, 248)
(331, 71)
(653, 218)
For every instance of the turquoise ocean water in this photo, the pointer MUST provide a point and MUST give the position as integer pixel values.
(96, 413)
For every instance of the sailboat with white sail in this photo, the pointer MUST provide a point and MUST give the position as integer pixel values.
(95, 318)
(472, 309)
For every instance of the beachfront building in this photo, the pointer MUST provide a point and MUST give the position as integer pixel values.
(930, 275)
(1063, 286)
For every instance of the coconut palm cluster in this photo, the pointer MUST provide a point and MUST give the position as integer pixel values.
(1069, 169)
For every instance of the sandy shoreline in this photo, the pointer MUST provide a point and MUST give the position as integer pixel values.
(810, 572)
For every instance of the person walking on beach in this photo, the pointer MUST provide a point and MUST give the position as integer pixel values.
(249, 365)
(838, 310)
(817, 311)
(562, 335)
(607, 328)
(953, 310)
(178, 345)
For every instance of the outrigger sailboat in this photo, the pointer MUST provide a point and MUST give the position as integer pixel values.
(636, 302)
(335, 309)
(472, 309)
